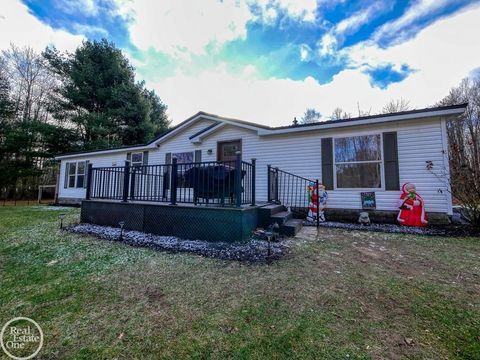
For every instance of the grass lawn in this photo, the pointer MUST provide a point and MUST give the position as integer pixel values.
(338, 294)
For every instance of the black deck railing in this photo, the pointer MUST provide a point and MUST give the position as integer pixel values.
(224, 183)
(289, 190)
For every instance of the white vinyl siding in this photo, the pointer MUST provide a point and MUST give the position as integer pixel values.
(300, 153)
(96, 161)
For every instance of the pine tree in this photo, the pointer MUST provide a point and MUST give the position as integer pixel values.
(100, 97)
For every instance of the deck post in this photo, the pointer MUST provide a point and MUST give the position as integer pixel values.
(132, 183)
(276, 186)
(254, 171)
(126, 181)
(89, 182)
(269, 183)
(317, 184)
(238, 179)
(173, 182)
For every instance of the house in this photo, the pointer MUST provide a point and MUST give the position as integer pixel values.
(366, 154)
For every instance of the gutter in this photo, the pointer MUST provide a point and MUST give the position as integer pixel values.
(353, 122)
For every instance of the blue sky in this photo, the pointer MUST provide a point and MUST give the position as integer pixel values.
(268, 60)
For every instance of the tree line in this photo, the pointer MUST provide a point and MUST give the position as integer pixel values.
(54, 102)
(311, 115)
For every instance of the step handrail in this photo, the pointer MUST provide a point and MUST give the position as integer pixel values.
(292, 174)
(290, 190)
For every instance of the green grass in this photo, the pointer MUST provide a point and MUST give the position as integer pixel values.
(337, 295)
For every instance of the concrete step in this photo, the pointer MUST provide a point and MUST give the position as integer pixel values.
(281, 217)
(291, 227)
(273, 208)
(266, 212)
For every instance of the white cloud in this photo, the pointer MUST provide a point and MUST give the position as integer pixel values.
(179, 27)
(305, 52)
(87, 7)
(397, 27)
(268, 101)
(19, 26)
(303, 10)
(89, 29)
(441, 54)
(360, 18)
(329, 42)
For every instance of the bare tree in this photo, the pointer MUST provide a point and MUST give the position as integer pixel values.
(394, 106)
(363, 112)
(464, 147)
(31, 81)
(310, 116)
(339, 114)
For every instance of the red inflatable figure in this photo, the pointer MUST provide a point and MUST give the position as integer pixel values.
(412, 207)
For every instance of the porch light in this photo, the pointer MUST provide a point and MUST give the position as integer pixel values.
(61, 217)
(209, 151)
(122, 224)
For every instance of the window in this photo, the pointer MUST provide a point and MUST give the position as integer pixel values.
(80, 174)
(358, 161)
(137, 159)
(71, 174)
(76, 174)
(230, 149)
(183, 158)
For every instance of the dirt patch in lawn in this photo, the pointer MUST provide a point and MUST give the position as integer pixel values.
(401, 285)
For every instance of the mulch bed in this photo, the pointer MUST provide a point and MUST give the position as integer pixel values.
(445, 230)
(250, 251)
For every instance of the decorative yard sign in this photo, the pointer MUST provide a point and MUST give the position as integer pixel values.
(368, 200)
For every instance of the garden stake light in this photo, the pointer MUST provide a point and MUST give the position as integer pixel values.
(61, 217)
(269, 235)
(122, 224)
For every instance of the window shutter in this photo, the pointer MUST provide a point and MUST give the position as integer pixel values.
(145, 158)
(129, 157)
(65, 180)
(390, 155)
(198, 156)
(327, 163)
(86, 174)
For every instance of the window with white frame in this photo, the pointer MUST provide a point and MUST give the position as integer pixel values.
(137, 159)
(358, 162)
(76, 174)
(183, 158)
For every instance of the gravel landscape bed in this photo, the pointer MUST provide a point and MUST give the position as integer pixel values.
(250, 251)
(447, 230)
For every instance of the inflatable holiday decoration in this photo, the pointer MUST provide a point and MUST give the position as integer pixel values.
(313, 194)
(412, 207)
